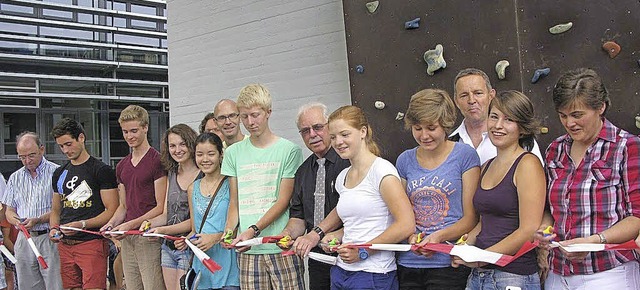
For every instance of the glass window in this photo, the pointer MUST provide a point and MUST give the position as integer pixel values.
(19, 9)
(51, 13)
(119, 22)
(149, 10)
(69, 51)
(135, 23)
(85, 3)
(13, 124)
(137, 40)
(14, 28)
(66, 33)
(85, 18)
(18, 47)
(119, 6)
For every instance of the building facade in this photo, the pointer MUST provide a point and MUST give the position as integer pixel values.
(84, 59)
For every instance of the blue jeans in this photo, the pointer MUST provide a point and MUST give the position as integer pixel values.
(175, 259)
(489, 279)
(347, 280)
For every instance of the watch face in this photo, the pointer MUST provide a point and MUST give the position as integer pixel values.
(363, 254)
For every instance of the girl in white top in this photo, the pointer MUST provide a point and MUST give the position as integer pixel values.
(373, 205)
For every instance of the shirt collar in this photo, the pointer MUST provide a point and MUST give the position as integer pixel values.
(331, 156)
(39, 168)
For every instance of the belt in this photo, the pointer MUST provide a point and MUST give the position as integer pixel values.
(170, 244)
(71, 242)
(37, 233)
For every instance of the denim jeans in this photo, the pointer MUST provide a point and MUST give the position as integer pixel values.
(447, 278)
(492, 279)
(347, 280)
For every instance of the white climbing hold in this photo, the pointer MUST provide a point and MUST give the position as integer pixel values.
(501, 68)
(379, 105)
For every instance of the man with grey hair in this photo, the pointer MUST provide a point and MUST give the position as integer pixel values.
(28, 199)
(314, 194)
(226, 116)
(472, 93)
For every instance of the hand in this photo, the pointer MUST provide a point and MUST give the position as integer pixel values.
(544, 241)
(29, 223)
(327, 239)
(638, 243)
(246, 235)
(578, 256)
(206, 241)
(106, 227)
(432, 238)
(73, 225)
(347, 254)
(145, 226)
(226, 240)
(303, 245)
(181, 244)
(158, 230)
(55, 235)
(122, 227)
(457, 261)
(285, 243)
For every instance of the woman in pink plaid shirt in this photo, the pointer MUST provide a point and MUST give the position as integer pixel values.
(593, 189)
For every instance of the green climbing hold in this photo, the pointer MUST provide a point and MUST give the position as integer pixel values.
(561, 28)
(372, 6)
(501, 68)
(434, 59)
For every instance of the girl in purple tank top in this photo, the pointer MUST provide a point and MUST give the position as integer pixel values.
(516, 179)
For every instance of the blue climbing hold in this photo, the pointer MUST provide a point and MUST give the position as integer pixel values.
(541, 72)
(359, 68)
(412, 24)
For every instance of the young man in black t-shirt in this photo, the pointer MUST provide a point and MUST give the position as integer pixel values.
(85, 197)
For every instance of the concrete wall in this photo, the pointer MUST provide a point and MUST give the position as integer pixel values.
(296, 48)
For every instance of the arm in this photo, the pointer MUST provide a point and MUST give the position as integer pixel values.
(303, 245)
(180, 244)
(404, 223)
(276, 210)
(161, 219)
(232, 215)
(11, 215)
(160, 188)
(121, 210)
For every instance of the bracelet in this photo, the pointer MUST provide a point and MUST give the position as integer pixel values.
(603, 239)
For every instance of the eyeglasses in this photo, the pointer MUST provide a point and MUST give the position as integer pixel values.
(306, 130)
(30, 156)
(223, 118)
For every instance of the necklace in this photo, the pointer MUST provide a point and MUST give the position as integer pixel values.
(209, 189)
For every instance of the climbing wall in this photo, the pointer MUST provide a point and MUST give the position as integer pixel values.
(386, 59)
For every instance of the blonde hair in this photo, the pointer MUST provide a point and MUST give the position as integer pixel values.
(134, 113)
(355, 117)
(431, 106)
(254, 95)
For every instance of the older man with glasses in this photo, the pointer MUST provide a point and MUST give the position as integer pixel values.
(226, 115)
(28, 199)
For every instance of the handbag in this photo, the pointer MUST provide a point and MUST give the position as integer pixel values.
(191, 279)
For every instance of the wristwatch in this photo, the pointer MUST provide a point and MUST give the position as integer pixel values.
(256, 230)
(319, 231)
(363, 254)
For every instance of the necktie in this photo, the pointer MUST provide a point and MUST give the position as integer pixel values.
(318, 208)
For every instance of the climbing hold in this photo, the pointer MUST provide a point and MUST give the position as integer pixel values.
(359, 69)
(544, 130)
(434, 59)
(412, 24)
(612, 48)
(379, 105)
(541, 72)
(560, 28)
(638, 122)
(639, 62)
(501, 67)
(399, 116)
(372, 6)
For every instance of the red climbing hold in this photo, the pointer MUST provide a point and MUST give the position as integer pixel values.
(612, 48)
